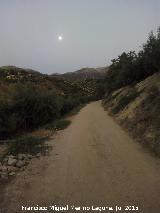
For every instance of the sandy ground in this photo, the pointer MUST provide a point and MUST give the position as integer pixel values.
(93, 162)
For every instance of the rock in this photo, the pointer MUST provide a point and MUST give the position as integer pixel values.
(3, 169)
(12, 169)
(27, 161)
(20, 157)
(30, 156)
(11, 161)
(38, 155)
(4, 175)
(12, 156)
(12, 173)
(20, 163)
(22, 169)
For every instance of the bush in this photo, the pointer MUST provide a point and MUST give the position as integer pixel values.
(35, 108)
(8, 119)
(29, 107)
(69, 103)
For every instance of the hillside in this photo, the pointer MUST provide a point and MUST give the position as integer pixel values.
(132, 91)
(10, 75)
(84, 74)
(29, 99)
(137, 109)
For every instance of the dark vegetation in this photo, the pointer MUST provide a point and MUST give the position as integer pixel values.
(130, 68)
(63, 122)
(29, 99)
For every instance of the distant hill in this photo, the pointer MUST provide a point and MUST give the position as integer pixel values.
(14, 74)
(10, 75)
(84, 74)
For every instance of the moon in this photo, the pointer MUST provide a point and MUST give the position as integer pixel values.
(60, 38)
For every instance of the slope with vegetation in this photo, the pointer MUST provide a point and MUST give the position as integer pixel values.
(89, 79)
(132, 92)
(29, 99)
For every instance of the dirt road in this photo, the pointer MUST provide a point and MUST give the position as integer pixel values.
(93, 162)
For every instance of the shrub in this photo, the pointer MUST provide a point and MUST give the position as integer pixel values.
(29, 107)
(35, 108)
(8, 119)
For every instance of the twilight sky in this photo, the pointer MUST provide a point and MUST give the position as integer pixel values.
(93, 31)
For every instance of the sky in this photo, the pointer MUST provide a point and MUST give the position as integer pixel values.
(93, 32)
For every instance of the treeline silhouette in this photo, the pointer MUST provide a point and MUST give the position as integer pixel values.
(130, 68)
